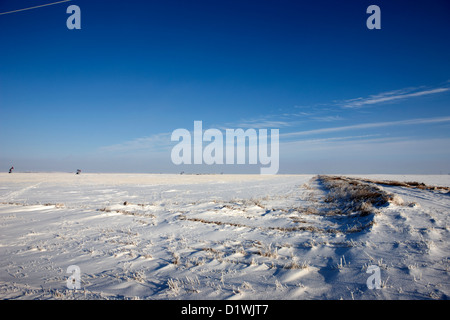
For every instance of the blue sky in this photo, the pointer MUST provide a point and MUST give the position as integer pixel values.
(106, 98)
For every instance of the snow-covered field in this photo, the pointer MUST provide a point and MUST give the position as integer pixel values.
(143, 236)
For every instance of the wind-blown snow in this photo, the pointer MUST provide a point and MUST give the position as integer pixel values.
(143, 236)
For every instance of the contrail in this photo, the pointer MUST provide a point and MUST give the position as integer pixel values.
(43, 5)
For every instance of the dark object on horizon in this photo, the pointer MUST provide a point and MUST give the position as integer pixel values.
(78, 171)
(11, 169)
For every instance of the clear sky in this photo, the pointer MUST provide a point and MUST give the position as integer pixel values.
(106, 98)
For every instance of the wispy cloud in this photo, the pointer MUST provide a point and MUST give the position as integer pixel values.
(390, 96)
(332, 139)
(263, 122)
(367, 125)
(327, 118)
(161, 142)
(331, 112)
(155, 143)
(361, 149)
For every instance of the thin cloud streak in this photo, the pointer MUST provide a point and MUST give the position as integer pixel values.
(388, 97)
(286, 120)
(161, 142)
(156, 143)
(366, 126)
(366, 137)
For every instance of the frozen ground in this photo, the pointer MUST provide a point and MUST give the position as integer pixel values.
(138, 236)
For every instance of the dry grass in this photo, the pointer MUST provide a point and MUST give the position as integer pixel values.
(128, 213)
(182, 217)
(281, 229)
(56, 205)
(352, 196)
(407, 184)
(268, 251)
(345, 197)
(295, 264)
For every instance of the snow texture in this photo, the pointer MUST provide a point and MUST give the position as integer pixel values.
(144, 236)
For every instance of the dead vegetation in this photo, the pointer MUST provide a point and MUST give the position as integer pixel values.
(408, 184)
(56, 205)
(11, 203)
(344, 197)
(273, 228)
(352, 196)
(183, 217)
(128, 213)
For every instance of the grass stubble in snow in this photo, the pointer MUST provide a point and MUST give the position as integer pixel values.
(223, 236)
